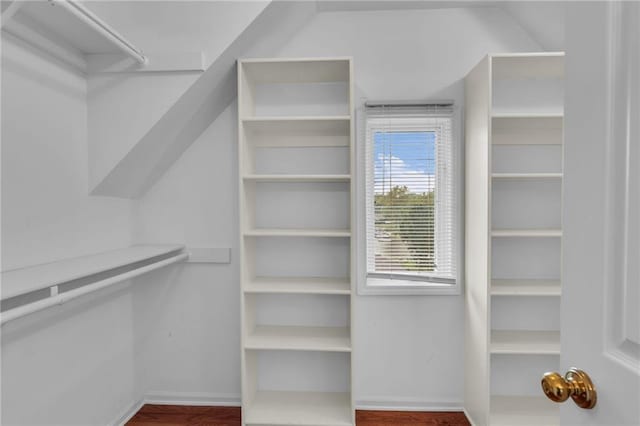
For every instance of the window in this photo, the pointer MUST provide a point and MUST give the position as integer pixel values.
(411, 214)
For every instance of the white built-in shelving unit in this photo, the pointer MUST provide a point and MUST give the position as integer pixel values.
(296, 248)
(514, 122)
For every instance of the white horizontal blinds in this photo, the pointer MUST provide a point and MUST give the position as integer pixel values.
(410, 192)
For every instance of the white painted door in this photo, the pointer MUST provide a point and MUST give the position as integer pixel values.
(601, 222)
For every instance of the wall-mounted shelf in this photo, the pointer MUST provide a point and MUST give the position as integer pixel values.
(300, 408)
(29, 279)
(525, 342)
(70, 32)
(33, 289)
(519, 287)
(298, 285)
(296, 338)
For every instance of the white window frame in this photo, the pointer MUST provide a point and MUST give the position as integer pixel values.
(382, 286)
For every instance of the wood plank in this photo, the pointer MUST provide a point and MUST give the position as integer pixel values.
(387, 418)
(173, 415)
(151, 414)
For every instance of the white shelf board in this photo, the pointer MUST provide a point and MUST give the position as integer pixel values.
(527, 129)
(524, 411)
(298, 178)
(529, 233)
(527, 115)
(331, 233)
(526, 176)
(525, 288)
(322, 339)
(26, 280)
(528, 65)
(293, 120)
(300, 409)
(298, 285)
(311, 70)
(525, 342)
(300, 131)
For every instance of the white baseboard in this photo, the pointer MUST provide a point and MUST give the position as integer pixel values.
(179, 398)
(193, 398)
(128, 413)
(233, 400)
(468, 417)
(406, 404)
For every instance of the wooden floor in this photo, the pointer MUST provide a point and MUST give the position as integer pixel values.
(174, 415)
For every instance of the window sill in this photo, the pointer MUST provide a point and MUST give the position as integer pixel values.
(386, 287)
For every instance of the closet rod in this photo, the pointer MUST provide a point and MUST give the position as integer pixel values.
(101, 28)
(62, 298)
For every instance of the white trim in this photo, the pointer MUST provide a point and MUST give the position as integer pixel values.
(178, 398)
(407, 404)
(359, 179)
(469, 419)
(193, 398)
(128, 413)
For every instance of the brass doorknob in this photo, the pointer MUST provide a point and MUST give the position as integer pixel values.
(575, 384)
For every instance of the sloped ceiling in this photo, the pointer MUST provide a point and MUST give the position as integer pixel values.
(200, 105)
(202, 102)
(543, 20)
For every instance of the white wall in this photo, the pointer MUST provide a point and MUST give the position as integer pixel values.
(122, 108)
(72, 364)
(191, 323)
(408, 350)
(46, 213)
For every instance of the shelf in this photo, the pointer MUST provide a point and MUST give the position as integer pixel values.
(29, 279)
(527, 115)
(269, 71)
(528, 233)
(528, 65)
(525, 342)
(298, 285)
(325, 131)
(298, 178)
(294, 120)
(300, 408)
(525, 288)
(331, 233)
(322, 339)
(531, 176)
(524, 411)
(526, 129)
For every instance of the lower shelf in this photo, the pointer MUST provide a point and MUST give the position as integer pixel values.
(323, 339)
(524, 411)
(525, 342)
(300, 408)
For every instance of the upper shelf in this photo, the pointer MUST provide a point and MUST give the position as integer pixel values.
(26, 280)
(528, 65)
(268, 71)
